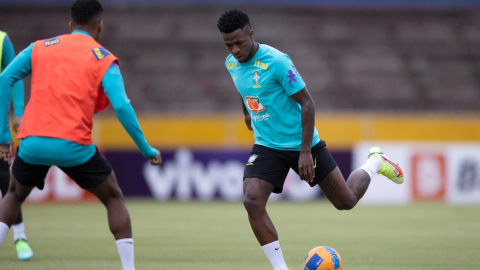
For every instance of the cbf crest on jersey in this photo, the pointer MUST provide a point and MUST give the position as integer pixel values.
(254, 104)
(257, 77)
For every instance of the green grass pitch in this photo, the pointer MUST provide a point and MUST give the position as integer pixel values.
(217, 236)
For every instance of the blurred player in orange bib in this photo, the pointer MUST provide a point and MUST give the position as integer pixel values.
(73, 77)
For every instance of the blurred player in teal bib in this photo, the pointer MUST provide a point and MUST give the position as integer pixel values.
(279, 109)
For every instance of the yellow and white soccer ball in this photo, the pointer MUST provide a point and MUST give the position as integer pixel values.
(322, 258)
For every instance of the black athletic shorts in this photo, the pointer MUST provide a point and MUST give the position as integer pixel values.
(272, 165)
(87, 175)
(4, 170)
(4, 176)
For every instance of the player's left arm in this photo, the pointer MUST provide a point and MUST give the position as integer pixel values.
(305, 161)
(17, 90)
(115, 90)
(291, 81)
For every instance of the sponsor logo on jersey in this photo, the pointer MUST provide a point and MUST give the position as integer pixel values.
(254, 104)
(260, 65)
(100, 53)
(231, 65)
(52, 41)
(251, 159)
(291, 76)
(263, 117)
(292, 73)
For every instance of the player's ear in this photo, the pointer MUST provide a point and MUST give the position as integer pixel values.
(100, 26)
(99, 30)
(251, 34)
(70, 26)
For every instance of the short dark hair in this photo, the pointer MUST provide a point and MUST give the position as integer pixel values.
(83, 11)
(232, 20)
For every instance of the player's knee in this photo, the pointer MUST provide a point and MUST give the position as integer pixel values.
(251, 206)
(17, 195)
(346, 204)
(116, 195)
(110, 195)
(252, 202)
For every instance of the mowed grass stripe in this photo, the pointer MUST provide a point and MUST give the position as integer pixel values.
(217, 236)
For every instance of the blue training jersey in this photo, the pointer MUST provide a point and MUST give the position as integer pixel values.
(266, 83)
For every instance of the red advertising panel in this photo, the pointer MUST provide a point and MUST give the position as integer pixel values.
(429, 179)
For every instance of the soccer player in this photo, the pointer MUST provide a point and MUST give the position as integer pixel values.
(7, 54)
(73, 77)
(279, 109)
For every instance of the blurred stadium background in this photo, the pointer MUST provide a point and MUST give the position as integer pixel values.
(402, 74)
(399, 71)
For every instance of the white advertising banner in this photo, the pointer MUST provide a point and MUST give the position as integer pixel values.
(448, 172)
(463, 174)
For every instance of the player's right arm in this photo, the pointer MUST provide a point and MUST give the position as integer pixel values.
(248, 117)
(115, 90)
(8, 54)
(18, 69)
(246, 114)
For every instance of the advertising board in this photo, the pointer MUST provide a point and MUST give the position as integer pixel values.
(185, 175)
(446, 172)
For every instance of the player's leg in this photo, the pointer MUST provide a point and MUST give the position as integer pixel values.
(342, 195)
(111, 196)
(256, 193)
(23, 179)
(24, 252)
(265, 173)
(345, 195)
(11, 204)
(18, 226)
(96, 176)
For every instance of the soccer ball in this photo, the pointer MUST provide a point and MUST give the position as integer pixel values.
(322, 258)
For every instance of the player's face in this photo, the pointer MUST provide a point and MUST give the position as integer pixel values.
(239, 43)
